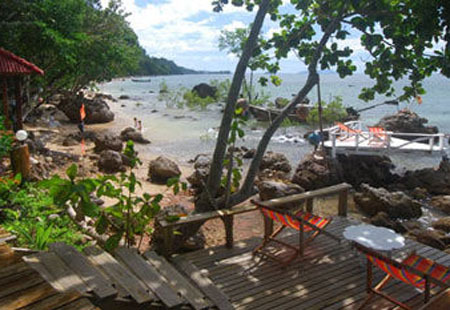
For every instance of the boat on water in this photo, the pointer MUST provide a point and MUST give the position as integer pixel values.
(141, 80)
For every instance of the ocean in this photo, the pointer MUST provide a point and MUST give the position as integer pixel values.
(183, 133)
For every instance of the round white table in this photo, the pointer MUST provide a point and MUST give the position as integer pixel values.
(374, 237)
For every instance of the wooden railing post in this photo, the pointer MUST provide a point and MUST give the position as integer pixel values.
(369, 276)
(228, 223)
(309, 205)
(343, 203)
(168, 241)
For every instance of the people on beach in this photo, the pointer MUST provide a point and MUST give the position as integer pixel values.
(314, 138)
(139, 127)
(135, 123)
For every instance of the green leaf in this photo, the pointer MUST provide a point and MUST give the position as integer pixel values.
(113, 241)
(101, 225)
(72, 172)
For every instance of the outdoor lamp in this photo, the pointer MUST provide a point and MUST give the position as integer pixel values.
(21, 135)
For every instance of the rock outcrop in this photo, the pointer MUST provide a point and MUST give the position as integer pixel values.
(315, 172)
(442, 224)
(110, 162)
(202, 163)
(397, 205)
(204, 90)
(97, 110)
(442, 203)
(130, 133)
(161, 169)
(273, 189)
(108, 141)
(435, 181)
(408, 122)
(275, 161)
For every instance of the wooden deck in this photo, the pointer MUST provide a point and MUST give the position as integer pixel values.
(330, 276)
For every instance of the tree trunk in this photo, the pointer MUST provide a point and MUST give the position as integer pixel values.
(215, 173)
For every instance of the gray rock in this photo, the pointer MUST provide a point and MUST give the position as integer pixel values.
(108, 142)
(273, 189)
(204, 90)
(110, 162)
(97, 110)
(275, 161)
(442, 224)
(406, 121)
(397, 205)
(441, 202)
(162, 169)
(130, 133)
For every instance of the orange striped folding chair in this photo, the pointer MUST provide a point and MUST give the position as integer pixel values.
(304, 222)
(377, 135)
(418, 271)
(347, 132)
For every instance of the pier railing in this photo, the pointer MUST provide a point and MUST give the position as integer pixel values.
(366, 142)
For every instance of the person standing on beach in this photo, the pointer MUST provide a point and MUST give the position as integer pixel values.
(139, 127)
(135, 122)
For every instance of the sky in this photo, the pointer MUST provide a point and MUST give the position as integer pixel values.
(187, 31)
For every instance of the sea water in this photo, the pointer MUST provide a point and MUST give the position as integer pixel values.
(184, 133)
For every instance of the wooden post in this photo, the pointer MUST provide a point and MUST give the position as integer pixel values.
(20, 161)
(309, 205)
(302, 238)
(427, 289)
(228, 223)
(168, 241)
(19, 121)
(5, 103)
(343, 203)
(268, 227)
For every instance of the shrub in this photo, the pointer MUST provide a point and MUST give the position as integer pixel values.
(331, 112)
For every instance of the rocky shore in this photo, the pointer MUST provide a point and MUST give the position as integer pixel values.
(381, 196)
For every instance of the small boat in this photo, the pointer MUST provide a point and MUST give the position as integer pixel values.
(141, 80)
(268, 114)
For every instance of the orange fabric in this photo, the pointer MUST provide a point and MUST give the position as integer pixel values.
(378, 132)
(82, 112)
(419, 263)
(345, 128)
(289, 221)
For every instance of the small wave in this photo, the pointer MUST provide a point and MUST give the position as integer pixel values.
(288, 139)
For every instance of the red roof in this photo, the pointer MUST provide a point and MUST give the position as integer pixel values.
(11, 64)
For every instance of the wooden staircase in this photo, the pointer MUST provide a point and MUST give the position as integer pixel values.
(127, 278)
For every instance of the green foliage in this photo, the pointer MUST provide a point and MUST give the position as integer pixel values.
(76, 42)
(223, 87)
(128, 216)
(5, 139)
(331, 112)
(183, 97)
(29, 213)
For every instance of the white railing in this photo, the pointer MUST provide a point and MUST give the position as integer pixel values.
(386, 141)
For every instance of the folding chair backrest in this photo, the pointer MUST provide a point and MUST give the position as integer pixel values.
(293, 221)
(377, 131)
(345, 128)
(400, 271)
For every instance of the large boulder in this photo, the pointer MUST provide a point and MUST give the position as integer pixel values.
(372, 170)
(433, 238)
(275, 161)
(442, 224)
(435, 181)
(408, 122)
(110, 162)
(204, 90)
(97, 110)
(130, 133)
(315, 172)
(108, 141)
(161, 169)
(442, 203)
(273, 189)
(397, 205)
(198, 178)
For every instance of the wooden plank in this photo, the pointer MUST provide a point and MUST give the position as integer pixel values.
(79, 304)
(199, 217)
(13, 269)
(55, 272)
(306, 195)
(219, 299)
(53, 301)
(178, 281)
(79, 264)
(147, 273)
(21, 284)
(26, 297)
(119, 274)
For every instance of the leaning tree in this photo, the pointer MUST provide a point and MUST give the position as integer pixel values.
(404, 39)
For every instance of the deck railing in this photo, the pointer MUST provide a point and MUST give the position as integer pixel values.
(368, 141)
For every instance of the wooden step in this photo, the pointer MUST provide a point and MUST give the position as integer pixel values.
(182, 285)
(79, 264)
(147, 273)
(119, 274)
(55, 272)
(219, 299)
